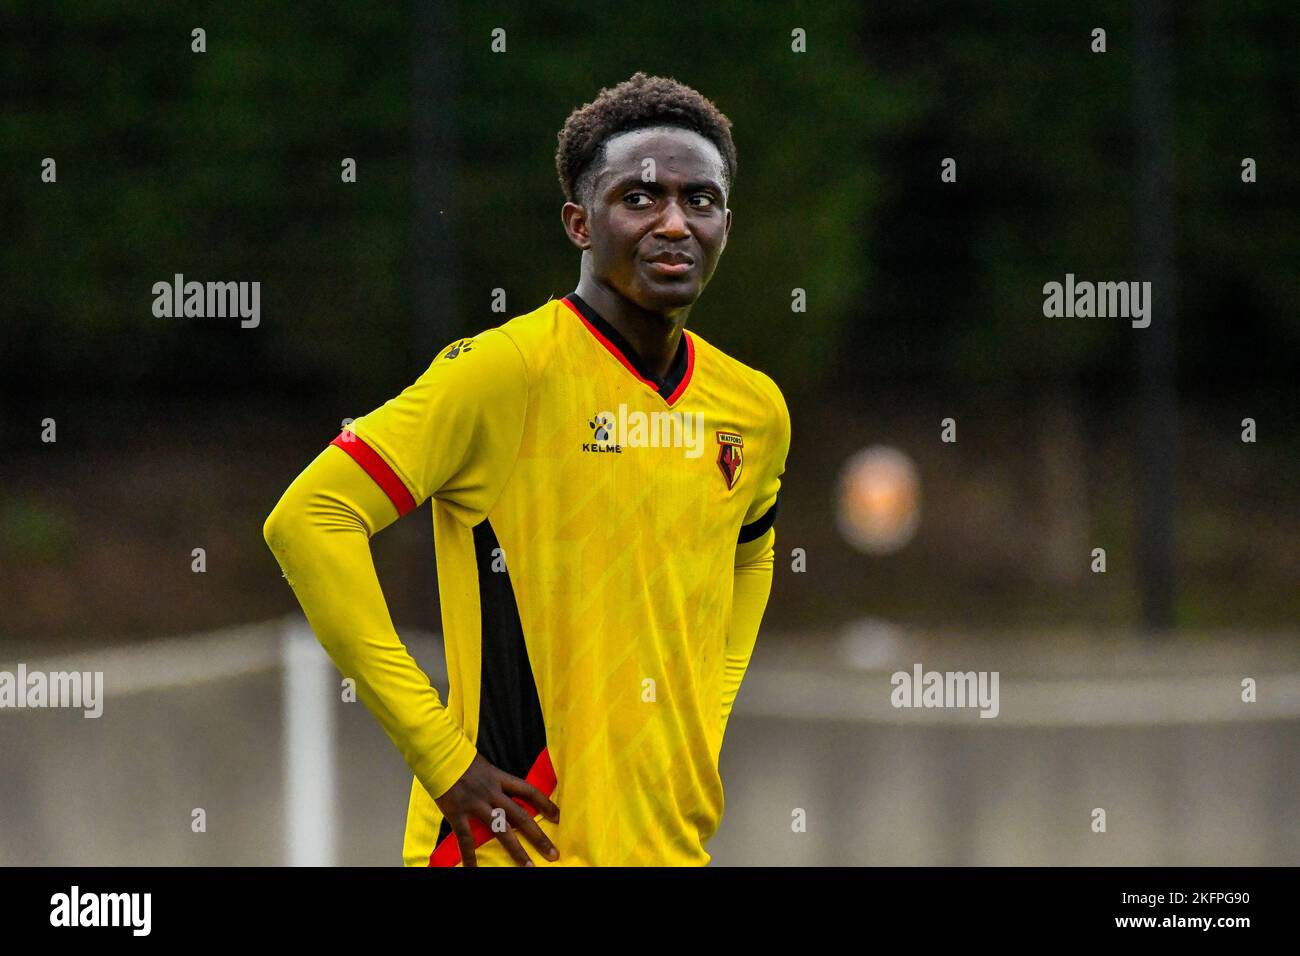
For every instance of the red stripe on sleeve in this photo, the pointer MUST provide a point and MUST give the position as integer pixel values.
(378, 469)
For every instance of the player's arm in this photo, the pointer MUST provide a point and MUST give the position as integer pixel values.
(755, 557)
(320, 533)
(452, 434)
(751, 588)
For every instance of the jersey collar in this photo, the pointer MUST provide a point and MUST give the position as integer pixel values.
(679, 373)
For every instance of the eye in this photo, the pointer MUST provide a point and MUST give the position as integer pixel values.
(644, 196)
(708, 199)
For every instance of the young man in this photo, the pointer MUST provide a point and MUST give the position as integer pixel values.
(604, 487)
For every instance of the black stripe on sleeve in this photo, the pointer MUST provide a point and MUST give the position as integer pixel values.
(756, 529)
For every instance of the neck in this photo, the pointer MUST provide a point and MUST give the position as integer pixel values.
(654, 335)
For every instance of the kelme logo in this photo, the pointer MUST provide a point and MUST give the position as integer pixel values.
(613, 431)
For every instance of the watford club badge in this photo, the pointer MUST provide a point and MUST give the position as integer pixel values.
(730, 457)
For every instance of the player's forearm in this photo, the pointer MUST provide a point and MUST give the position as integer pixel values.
(320, 534)
(751, 589)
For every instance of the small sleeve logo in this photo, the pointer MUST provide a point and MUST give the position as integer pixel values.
(464, 345)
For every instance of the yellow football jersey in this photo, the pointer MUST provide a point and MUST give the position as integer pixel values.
(586, 519)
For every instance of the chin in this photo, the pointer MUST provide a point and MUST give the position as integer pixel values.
(666, 297)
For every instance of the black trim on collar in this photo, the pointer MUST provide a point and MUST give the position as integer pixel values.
(676, 371)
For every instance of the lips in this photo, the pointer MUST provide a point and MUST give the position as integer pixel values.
(670, 263)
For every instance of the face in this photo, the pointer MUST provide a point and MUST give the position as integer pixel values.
(657, 219)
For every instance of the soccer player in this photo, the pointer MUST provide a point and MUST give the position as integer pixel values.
(604, 487)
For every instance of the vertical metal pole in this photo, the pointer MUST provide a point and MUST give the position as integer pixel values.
(310, 788)
(1157, 432)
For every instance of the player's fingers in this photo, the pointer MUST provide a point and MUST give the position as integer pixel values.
(520, 819)
(540, 801)
(465, 840)
(512, 846)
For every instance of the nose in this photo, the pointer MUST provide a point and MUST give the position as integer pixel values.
(672, 224)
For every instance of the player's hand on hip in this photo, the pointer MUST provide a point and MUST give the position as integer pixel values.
(484, 789)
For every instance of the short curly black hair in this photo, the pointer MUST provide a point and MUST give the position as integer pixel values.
(638, 102)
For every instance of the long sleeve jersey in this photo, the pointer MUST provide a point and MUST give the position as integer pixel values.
(604, 544)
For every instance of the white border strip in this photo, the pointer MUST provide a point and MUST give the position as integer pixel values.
(791, 694)
(172, 662)
(1027, 702)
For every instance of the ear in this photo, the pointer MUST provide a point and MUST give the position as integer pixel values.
(726, 231)
(576, 226)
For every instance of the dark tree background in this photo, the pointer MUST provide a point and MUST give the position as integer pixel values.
(924, 297)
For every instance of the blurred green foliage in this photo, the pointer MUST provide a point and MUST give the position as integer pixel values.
(32, 532)
(225, 165)
(924, 298)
